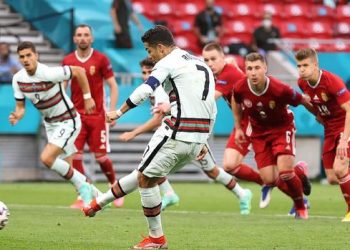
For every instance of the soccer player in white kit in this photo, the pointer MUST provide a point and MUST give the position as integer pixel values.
(181, 138)
(42, 85)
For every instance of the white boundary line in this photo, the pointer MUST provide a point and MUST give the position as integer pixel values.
(330, 217)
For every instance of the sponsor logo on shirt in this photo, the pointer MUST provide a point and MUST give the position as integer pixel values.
(342, 91)
(222, 82)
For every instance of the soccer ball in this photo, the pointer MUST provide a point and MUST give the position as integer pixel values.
(4, 215)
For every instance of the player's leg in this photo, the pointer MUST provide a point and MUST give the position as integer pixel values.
(219, 175)
(50, 159)
(61, 139)
(169, 197)
(78, 159)
(233, 161)
(122, 187)
(291, 184)
(341, 170)
(98, 141)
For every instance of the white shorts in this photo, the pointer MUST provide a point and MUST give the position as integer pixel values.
(208, 163)
(164, 155)
(63, 135)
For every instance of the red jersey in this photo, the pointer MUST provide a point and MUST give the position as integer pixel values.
(268, 111)
(98, 68)
(326, 96)
(225, 81)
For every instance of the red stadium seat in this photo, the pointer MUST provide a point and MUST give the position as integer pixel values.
(292, 29)
(241, 30)
(343, 12)
(244, 11)
(275, 9)
(180, 27)
(188, 42)
(340, 46)
(188, 9)
(298, 12)
(142, 7)
(319, 29)
(321, 12)
(342, 29)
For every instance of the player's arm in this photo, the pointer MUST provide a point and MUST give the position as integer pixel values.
(114, 92)
(136, 20)
(342, 147)
(18, 114)
(150, 125)
(237, 116)
(80, 75)
(140, 94)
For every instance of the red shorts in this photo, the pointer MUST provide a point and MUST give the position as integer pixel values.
(330, 150)
(243, 149)
(268, 147)
(94, 132)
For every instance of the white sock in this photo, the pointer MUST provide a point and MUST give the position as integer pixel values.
(239, 191)
(62, 167)
(150, 198)
(128, 184)
(166, 188)
(225, 178)
(105, 198)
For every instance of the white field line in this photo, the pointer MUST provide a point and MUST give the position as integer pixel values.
(216, 213)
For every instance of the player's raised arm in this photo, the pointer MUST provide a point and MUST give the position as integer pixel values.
(18, 114)
(80, 75)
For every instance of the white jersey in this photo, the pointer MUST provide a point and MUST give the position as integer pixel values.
(191, 87)
(46, 91)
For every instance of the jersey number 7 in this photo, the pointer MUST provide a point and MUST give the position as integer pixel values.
(206, 84)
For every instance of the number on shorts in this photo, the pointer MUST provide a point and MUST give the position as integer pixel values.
(206, 84)
(62, 132)
(103, 136)
(288, 135)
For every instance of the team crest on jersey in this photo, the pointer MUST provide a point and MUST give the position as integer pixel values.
(324, 97)
(247, 103)
(92, 70)
(272, 104)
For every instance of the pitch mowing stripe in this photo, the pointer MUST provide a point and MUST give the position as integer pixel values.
(181, 212)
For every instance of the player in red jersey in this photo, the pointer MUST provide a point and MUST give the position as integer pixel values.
(331, 100)
(226, 75)
(94, 130)
(265, 99)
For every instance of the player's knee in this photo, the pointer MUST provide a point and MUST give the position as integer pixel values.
(47, 161)
(332, 180)
(212, 173)
(230, 166)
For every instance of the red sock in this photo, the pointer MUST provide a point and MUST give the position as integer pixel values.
(107, 168)
(344, 183)
(247, 173)
(290, 184)
(78, 163)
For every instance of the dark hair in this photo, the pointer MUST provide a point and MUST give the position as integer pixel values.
(147, 62)
(82, 26)
(254, 56)
(26, 45)
(213, 46)
(158, 35)
(306, 53)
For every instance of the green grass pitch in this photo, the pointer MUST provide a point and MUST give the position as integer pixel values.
(207, 218)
